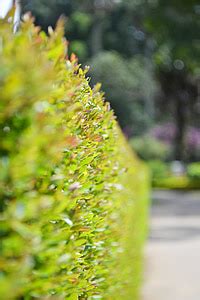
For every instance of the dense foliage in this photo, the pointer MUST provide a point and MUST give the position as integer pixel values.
(193, 171)
(149, 148)
(73, 196)
(169, 176)
(165, 33)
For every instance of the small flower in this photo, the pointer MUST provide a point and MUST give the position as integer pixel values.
(74, 186)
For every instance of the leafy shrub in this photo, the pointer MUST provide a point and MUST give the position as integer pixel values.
(163, 177)
(193, 170)
(159, 169)
(79, 48)
(149, 148)
(73, 197)
(192, 141)
(164, 132)
(176, 182)
(167, 132)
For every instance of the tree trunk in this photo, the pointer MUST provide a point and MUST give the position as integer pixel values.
(180, 119)
(97, 34)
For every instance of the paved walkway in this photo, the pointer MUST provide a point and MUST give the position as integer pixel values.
(172, 269)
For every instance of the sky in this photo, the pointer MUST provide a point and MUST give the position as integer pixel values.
(5, 6)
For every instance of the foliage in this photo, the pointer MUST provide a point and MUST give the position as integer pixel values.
(166, 133)
(175, 25)
(47, 12)
(176, 182)
(129, 86)
(73, 196)
(159, 169)
(162, 176)
(149, 148)
(79, 48)
(93, 26)
(193, 170)
(163, 32)
(192, 141)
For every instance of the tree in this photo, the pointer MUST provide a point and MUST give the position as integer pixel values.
(47, 12)
(99, 11)
(175, 25)
(129, 86)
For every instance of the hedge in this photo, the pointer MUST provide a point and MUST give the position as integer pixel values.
(73, 196)
(176, 183)
(163, 178)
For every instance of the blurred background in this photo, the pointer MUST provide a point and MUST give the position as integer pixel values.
(146, 54)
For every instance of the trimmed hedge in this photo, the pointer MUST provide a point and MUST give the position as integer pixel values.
(193, 171)
(176, 183)
(73, 196)
(162, 176)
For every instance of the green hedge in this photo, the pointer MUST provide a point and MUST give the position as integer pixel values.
(73, 197)
(162, 176)
(193, 171)
(176, 183)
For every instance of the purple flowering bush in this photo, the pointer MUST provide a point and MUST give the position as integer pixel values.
(166, 133)
(193, 143)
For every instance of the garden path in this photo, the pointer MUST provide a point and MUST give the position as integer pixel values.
(172, 268)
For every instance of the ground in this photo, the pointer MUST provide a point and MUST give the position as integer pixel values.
(172, 256)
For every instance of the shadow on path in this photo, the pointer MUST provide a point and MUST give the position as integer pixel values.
(175, 215)
(172, 269)
(175, 203)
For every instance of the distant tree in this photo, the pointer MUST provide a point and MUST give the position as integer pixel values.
(129, 86)
(47, 12)
(175, 25)
(99, 11)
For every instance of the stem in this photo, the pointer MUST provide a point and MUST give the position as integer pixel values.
(181, 125)
(97, 33)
